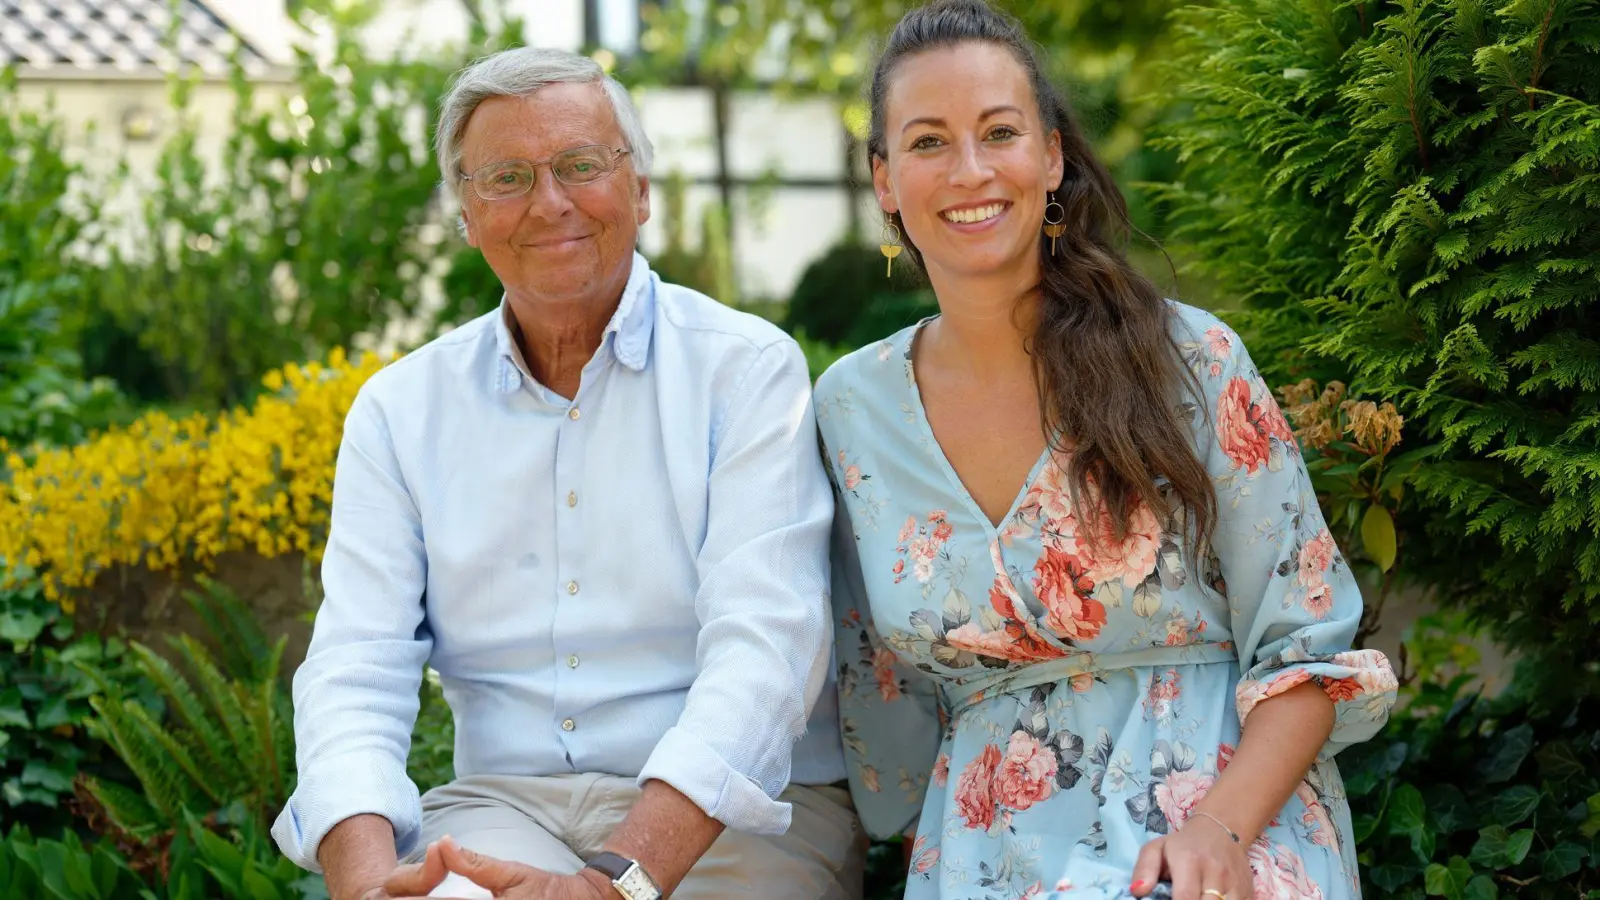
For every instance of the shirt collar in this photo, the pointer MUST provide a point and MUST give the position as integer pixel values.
(627, 335)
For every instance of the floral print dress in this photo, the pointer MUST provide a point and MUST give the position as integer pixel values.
(1040, 704)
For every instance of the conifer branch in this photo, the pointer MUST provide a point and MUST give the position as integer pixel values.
(1538, 55)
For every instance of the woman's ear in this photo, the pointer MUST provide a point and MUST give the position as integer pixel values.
(880, 186)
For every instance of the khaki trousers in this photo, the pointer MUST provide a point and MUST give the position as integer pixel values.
(556, 822)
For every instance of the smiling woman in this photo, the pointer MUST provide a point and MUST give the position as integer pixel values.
(1080, 548)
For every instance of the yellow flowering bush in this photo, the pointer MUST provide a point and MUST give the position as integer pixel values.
(166, 492)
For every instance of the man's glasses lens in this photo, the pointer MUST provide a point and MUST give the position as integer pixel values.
(515, 177)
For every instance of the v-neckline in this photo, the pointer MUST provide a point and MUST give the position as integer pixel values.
(994, 529)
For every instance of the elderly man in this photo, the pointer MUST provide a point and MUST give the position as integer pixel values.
(599, 513)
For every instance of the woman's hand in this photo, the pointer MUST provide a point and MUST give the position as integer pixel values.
(1200, 857)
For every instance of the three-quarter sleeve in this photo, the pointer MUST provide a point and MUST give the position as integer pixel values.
(888, 710)
(762, 652)
(1295, 602)
(356, 694)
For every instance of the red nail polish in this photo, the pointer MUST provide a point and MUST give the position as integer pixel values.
(1137, 885)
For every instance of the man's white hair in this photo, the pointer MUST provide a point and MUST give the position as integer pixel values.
(517, 73)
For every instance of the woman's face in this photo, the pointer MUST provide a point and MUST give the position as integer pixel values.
(969, 161)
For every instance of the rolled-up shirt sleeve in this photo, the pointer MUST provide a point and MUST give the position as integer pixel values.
(355, 696)
(763, 648)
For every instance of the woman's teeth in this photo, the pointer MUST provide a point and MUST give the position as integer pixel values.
(976, 214)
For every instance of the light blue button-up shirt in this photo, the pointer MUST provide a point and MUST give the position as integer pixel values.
(631, 582)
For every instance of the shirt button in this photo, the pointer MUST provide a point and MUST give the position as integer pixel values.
(572, 498)
(572, 662)
(568, 725)
(573, 414)
(572, 587)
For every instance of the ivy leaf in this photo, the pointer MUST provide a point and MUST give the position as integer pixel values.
(1481, 887)
(1591, 825)
(1377, 536)
(1561, 860)
(1451, 810)
(1408, 818)
(1558, 762)
(1491, 846)
(1448, 881)
(1391, 877)
(1519, 845)
(1516, 804)
(1507, 754)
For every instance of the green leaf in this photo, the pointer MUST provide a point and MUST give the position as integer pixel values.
(1561, 860)
(258, 886)
(1506, 756)
(1519, 845)
(1559, 762)
(21, 626)
(1516, 804)
(1481, 887)
(1491, 846)
(1591, 825)
(11, 710)
(1391, 876)
(1377, 536)
(1448, 881)
(44, 774)
(1450, 808)
(1408, 818)
(55, 711)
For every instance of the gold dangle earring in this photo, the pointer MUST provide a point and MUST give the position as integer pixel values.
(890, 247)
(1058, 227)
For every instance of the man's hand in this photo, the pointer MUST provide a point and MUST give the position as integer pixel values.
(413, 880)
(505, 880)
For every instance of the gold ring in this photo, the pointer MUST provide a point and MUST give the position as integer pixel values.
(1213, 892)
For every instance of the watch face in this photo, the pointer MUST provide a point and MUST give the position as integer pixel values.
(636, 885)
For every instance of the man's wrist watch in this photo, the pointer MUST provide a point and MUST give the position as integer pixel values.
(627, 876)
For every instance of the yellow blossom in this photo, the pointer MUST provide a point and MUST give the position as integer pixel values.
(167, 493)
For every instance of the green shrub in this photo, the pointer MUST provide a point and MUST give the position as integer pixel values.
(1469, 797)
(44, 707)
(847, 297)
(42, 869)
(43, 395)
(1406, 196)
(219, 737)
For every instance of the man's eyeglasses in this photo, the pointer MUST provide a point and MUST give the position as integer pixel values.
(511, 178)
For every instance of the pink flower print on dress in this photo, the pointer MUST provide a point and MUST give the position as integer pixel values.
(1246, 426)
(1018, 641)
(1129, 561)
(1027, 772)
(1319, 825)
(1280, 874)
(1219, 346)
(1180, 793)
(883, 661)
(924, 859)
(974, 790)
(1063, 588)
(941, 770)
(1163, 692)
(908, 529)
(869, 778)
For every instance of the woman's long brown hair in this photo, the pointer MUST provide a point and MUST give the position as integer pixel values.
(1107, 367)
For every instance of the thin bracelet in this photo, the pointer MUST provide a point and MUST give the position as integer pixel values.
(1220, 824)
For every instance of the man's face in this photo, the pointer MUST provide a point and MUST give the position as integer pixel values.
(557, 242)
